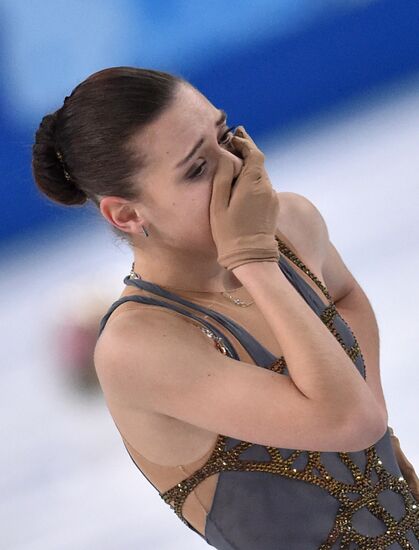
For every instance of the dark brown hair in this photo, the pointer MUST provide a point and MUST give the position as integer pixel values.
(81, 150)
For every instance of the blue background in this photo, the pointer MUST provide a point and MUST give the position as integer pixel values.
(269, 64)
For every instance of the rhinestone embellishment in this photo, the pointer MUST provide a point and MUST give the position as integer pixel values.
(223, 459)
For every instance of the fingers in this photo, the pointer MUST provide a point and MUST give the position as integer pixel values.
(253, 170)
(246, 146)
(221, 186)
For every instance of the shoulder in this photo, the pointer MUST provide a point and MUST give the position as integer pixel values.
(302, 223)
(145, 325)
(132, 319)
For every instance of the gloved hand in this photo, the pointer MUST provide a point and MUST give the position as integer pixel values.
(244, 216)
(405, 466)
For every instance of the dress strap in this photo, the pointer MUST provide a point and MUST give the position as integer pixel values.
(224, 342)
(286, 251)
(259, 353)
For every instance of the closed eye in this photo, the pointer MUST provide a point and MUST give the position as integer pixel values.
(225, 139)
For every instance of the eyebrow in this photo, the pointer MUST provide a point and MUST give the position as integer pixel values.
(219, 122)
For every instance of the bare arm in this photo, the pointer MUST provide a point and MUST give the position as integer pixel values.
(317, 363)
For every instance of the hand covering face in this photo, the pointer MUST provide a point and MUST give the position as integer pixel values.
(244, 213)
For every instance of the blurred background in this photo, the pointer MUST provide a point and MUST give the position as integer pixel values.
(329, 90)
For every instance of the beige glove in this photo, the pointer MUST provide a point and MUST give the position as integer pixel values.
(405, 466)
(244, 216)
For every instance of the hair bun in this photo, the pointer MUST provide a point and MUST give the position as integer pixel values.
(49, 170)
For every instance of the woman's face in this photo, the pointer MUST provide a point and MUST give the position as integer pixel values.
(177, 184)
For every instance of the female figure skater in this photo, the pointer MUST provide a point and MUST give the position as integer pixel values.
(239, 390)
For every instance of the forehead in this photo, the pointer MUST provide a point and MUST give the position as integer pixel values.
(169, 138)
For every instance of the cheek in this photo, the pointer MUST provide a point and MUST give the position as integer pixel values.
(199, 197)
(197, 213)
(191, 207)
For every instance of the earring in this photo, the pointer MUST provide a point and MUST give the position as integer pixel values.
(145, 231)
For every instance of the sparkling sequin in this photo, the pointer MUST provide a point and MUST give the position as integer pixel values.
(223, 459)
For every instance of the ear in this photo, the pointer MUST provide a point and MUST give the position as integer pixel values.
(121, 213)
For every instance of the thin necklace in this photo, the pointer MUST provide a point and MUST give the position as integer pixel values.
(236, 301)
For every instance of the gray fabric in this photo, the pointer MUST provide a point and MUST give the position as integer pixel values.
(265, 511)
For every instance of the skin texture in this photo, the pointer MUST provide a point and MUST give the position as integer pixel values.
(180, 252)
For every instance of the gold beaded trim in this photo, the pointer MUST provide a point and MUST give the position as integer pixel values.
(314, 472)
(327, 315)
(296, 260)
(330, 311)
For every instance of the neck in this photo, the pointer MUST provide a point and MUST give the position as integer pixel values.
(181, 270)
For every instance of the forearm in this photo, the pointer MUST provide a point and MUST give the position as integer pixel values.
(357, 311)
(317, 363)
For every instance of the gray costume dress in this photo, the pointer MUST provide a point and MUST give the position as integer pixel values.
(270, 498)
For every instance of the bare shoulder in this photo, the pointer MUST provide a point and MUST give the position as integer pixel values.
(135, 320)
(166, 367)
(302, 224)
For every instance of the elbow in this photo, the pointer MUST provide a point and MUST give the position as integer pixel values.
(364, 430)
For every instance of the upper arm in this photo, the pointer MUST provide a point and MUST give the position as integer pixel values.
(337, 277)
(158, 361)
(311, 236)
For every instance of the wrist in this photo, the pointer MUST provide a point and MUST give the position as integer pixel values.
(256, 269)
